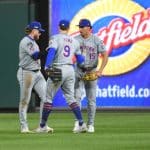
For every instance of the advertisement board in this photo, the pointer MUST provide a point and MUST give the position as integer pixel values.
(124, 26)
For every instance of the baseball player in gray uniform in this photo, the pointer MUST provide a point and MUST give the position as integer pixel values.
(61, 50)
(91, 46)
(29, 75)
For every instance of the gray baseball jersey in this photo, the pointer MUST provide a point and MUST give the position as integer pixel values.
(90, 48)
(27, 47)
(66, 46)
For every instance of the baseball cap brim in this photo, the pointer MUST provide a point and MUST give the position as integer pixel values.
(83, 26)
(35, 25)
(41, 30)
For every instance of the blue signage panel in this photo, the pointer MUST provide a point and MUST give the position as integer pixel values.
(125, 29)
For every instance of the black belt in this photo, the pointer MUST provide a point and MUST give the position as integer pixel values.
(87, 69)
(36, 70)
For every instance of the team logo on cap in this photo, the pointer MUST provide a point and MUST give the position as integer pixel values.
(36, 27)
(125, 29)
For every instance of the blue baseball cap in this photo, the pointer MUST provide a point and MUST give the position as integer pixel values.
(84, 23)
(64, 23)
(35, 25)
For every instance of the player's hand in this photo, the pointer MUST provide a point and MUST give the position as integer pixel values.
(98, 73)
(47, 67)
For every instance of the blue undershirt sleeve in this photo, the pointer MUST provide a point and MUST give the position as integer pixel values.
(35, 55)
(39, 54)
(80, 58)
(50, 57)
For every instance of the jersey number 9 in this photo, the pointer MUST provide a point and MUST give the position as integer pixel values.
(66, 51)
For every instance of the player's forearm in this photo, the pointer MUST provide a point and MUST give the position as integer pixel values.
(80, 58)
(50, 57)
(38, 55)
(104, 61)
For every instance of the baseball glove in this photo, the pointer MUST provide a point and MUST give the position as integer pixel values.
(54, 73)
(89, 76)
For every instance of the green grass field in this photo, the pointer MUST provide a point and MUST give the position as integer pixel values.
(114, 131)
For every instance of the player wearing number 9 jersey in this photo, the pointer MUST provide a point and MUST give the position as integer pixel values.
(61, 50)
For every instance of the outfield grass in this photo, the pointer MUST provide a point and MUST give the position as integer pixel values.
(114, 131)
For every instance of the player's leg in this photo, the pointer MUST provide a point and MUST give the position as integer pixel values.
(25, 79)
(90, 89)
(68, 90)
(40, 88)
(78, 90)
(51, 89)
(78, 96)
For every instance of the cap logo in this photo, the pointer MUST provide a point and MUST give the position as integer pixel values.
(36, 27)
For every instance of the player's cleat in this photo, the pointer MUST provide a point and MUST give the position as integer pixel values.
(45, 129)
(90, 129)
(25, 130)
(81, 129)
(76, 126)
